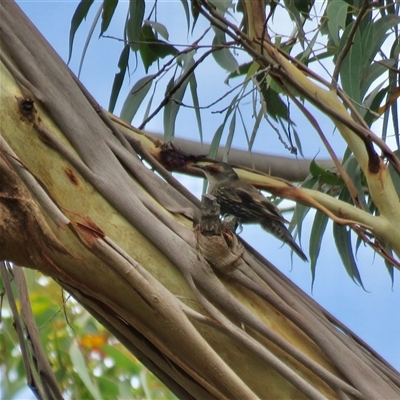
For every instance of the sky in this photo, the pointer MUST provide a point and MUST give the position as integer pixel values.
(371, 313)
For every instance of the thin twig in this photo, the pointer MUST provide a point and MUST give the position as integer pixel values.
(173, 90)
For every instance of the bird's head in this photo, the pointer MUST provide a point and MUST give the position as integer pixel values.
(217, 172)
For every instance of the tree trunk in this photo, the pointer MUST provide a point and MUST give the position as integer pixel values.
(206, 313)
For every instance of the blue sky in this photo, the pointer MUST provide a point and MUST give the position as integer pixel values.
(371, 314)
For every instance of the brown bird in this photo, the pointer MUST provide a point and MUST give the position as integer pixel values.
(246, 203)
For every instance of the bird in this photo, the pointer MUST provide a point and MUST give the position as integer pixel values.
(246, 203)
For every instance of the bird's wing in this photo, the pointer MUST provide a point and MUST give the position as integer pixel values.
(254, 199)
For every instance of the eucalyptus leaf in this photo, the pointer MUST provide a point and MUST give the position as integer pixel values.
(134, 24)
(119, 77)
(136, 97)
(223, 56)
(187, 14)
(109, 7)
(80, 368)
(350, 71)
(212, 153)
(372, 72)
(327, 177)
(79, 15)
(317, 233)
(151, 49)
(88, 38)
(159, 28)
(337, 15)
(196, 105)
(231, 134)
(342, 238)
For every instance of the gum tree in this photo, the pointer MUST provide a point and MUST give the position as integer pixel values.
(199, 307)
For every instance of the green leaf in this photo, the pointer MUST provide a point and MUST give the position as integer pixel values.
(374, 105)
(223, 56)
(256, 126)
(300, 211)
(187, 15)
(79, 15)
(351, 68)
(109, 7)
(195, 99)
(303, 6)
(221, 5)
(342, 236)
(121, 359)
(80, 368)
(119, 77)
(353, 170)
(159, 28)
(243, 69)
(151, 49)
(296, 17)
(323, 175)
(171, 112)
(317, 233)
(135, 98)
(231, 134)
(367, 38)
(276, 108)
(195, 13)
(108, 387)
(134, 25)
(218, 133)
(89, 37)
(381, 26)
(372, 72)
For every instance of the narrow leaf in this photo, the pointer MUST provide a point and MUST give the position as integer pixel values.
(135, 98)
(324, 175)
(217, 136)
(80, 368)
(301, 211)
(317, 233)
(337, 14)
(89, 37)
(134, 25)
(119, 77)
(79, 15)
(187, 15)
(381, 26)
(151, 49)
(342, 238)
(373, 72)
(223, 56)
(195, 99)
(231, 134)
(159, 28)
(350, 72)
(109, 7)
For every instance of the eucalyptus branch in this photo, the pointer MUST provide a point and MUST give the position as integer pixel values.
(348, 44)
(349, 183)
(365, 134)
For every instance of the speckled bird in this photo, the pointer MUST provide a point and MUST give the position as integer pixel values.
(246, 203)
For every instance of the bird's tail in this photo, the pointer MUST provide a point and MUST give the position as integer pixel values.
(280, 231)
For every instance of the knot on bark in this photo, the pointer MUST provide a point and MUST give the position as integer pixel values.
(216, 240)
